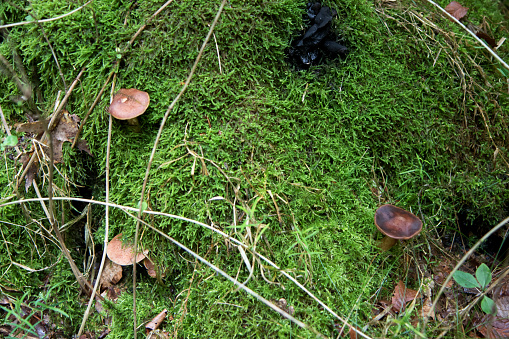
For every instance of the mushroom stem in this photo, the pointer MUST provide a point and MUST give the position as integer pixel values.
(387, 243)
(135, 124)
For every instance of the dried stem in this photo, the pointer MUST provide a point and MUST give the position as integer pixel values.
(96, 100)
(107, 227)
(52, 124)
(492, 52)
(226, 236)
(154, 148)
(45, 20)
(85, 286)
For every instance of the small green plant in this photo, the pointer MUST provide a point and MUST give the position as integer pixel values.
(10, 140)
(481, 280)
(19, 316)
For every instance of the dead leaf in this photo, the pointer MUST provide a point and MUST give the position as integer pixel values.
(501, 298)
(402, 295)
(282, 304)
(83, 146)
(483, 35)
(456, 10)
(32, 171)
(65, 131)
(104, 333)
(36, 127)
(156, 321)
(158, 334)
(441, 272)
(112, 273)
(4, 300)
(99, 306)
(113, 293)
(151, 268)
(353, 333)
(426, 310)
(498, 328)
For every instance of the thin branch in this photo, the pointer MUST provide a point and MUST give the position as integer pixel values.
(96, 100)
(45, 20)
(156, 13)
(129, 44)
(237, 283)
(84, 284)
(53, 122)
(154, 148)
(25, 77)
(460, 263)
(107, 218)
(226, 236)
(492, 52)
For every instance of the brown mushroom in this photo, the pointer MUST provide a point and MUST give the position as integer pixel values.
(396, 223)
(121, 253)
(128, 104)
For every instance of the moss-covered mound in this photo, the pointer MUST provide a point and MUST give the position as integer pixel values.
(291, 163)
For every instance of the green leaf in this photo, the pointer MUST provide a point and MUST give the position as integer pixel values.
(483, 275)
(465, 279)
(504, 72)
(144, 206)
(10, 140)
(488, 305)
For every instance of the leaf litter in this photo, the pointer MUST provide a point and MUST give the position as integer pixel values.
(65, 131)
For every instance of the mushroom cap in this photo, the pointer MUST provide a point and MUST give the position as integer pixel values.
(397, 223)
(128, 103)
(122, 254)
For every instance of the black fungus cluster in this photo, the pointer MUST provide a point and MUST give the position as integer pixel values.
(317, 42)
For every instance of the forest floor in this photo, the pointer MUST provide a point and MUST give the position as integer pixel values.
(257, 168)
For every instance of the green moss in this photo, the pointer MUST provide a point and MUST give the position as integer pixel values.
(319, 148)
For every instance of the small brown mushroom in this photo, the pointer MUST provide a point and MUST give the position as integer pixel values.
(128, 104)
(122, 254)
(396, 223)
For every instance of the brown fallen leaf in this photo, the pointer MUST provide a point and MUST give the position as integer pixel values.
(353, 333)
(32, 170)
(427, 310)
(483, 35)
(402, 295)
(496, 328)
(441, 272)
(83, 146)
(112, 273)
(113, 293)
(151, 268)
(501, 298)
(282, 304)
(156, 321)
(456, 10)
(65, 131)
(36, 127)
(158, 334)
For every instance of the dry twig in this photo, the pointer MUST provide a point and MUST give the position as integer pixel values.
(156, 142)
